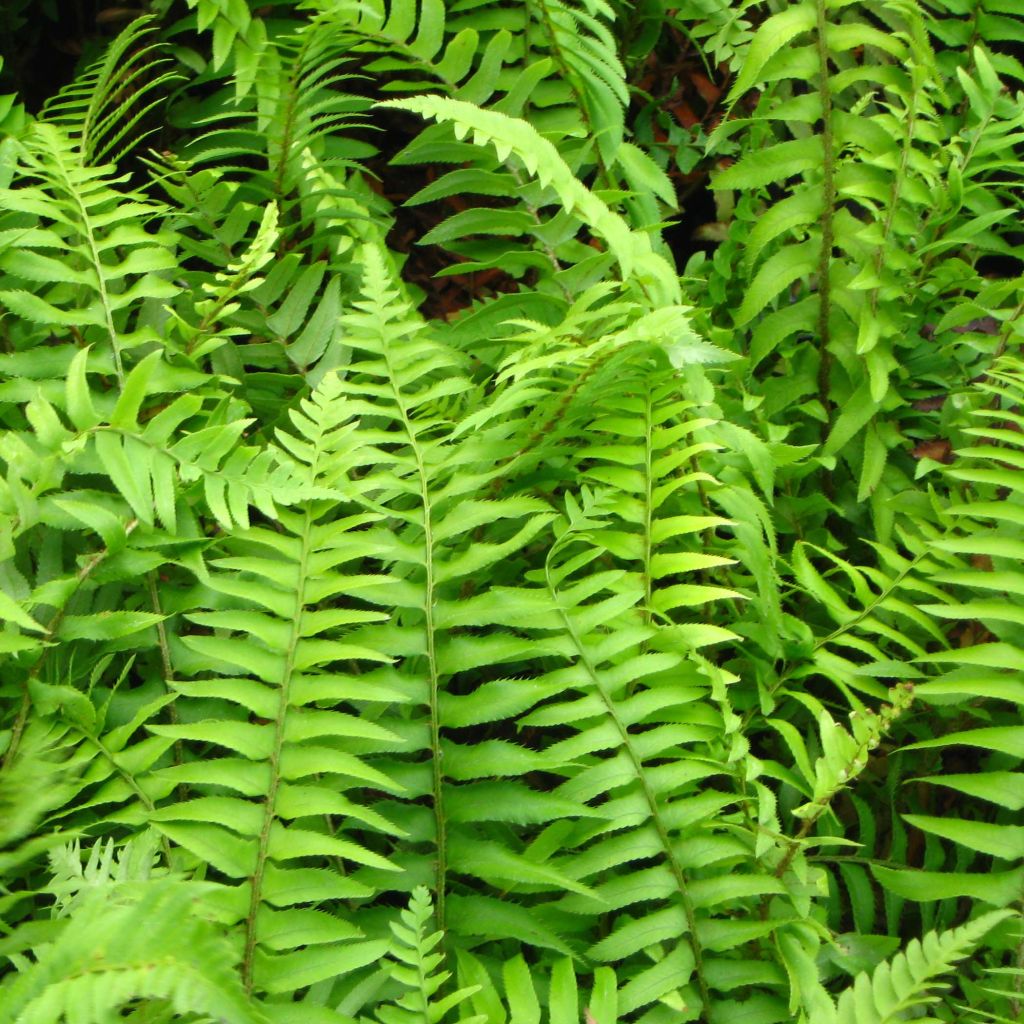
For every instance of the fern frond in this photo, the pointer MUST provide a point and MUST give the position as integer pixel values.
(239, 39)
(910, 979)
(36, 779)
(520, 993)
(145, 944)
(107, 261)
(152, 463)
(465, 54)
(508, 136)
(273, 654)
(630, 698)
(112, 787)
(416, 964)
(432, 485)
(102, 107)
(581, 45)
(296, 106)
(980, 678)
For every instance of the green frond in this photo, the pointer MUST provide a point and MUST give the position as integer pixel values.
(558, 60)
(909, 980)
(146, 944)
(520, 1002)
(104, 106)
(238, 39)
(296, 106)
(273, 654)
(632, 701)
(78, 257)
(38, 776)
(540, 159)
(574, 637)
(581, 45)
(980, 679)
(417, 966)
(447, 535)
(421, 43)
(878, 624)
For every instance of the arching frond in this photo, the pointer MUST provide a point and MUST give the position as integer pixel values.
(104, 110)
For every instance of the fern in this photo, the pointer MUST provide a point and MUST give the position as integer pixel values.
(583, 48)
(632, 250)
(238, 39)
(985, 533)
(260, 847)
(295, 105)
(630, 634)
(415, 963)
(147, 945)
(879, 204)
(613, 691)
(92, 109)
(909, 979)
(558, 60)
(75, 210)
(417, 42)
(401, 383)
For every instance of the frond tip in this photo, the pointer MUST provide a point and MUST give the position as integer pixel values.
(910, 978)
(416, 960)
(510, 136)
(101, 108)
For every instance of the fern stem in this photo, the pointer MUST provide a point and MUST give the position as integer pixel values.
(545, 431)
(97, 263)
(434, 683)
(869, 609)
(129, 779)
(1004, 334)
(650, 798)
(168, 672)
(288, 127)
(161, 632)
(793, 844)
(1018, 978)
(556, 263)
(827, 223)
(648, 506)
(17, 730)
(878, 726)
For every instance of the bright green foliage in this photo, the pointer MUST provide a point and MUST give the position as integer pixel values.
(84, 249)
(151, 948)
(903, 983)
(632, 641)
(415, 962)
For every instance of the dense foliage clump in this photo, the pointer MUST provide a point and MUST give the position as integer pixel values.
(512, 512)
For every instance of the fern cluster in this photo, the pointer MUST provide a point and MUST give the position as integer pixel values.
(638, 638)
